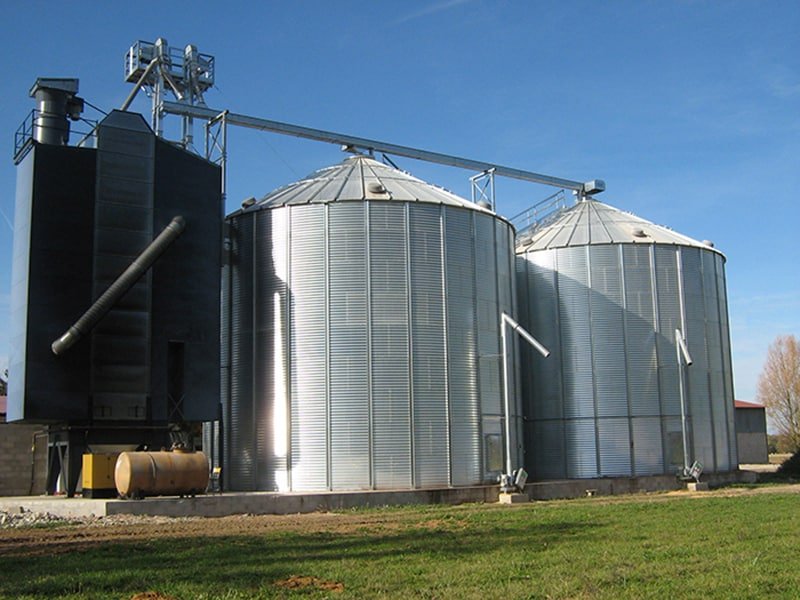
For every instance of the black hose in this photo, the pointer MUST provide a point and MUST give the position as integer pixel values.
(121, 285)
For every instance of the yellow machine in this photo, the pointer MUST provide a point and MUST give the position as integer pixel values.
(98, 475)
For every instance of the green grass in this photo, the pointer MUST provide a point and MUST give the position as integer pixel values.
(721, 547)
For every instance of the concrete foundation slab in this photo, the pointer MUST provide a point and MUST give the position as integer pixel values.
(697, 486)
(513, 498)
(231, 503)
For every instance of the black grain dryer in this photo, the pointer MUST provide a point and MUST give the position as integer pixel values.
(115, 285)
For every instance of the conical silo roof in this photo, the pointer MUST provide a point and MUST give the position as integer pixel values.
(592, 222)
(361, 178)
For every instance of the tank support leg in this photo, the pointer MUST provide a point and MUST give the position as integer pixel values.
(65, 461)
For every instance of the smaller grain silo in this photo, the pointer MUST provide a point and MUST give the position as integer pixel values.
(606, 292)
(361, 337)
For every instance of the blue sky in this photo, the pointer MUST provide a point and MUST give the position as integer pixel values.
(689, 110)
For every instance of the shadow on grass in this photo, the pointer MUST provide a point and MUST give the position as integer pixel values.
(221, 564)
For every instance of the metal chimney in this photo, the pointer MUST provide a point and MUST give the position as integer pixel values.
(55, 100)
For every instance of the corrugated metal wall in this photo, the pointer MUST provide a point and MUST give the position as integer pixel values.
(240, 418)
(462, 351)
(124, 205)
(428, 348)
(366, 334)
(606, 403)
(349, 393)
(309, 347)
(390, 344)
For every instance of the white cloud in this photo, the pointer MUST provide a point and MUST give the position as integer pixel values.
(430, 10)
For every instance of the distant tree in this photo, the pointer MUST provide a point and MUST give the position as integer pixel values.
(779, 444)
(772, 443)
(779, 388)
(4, 383)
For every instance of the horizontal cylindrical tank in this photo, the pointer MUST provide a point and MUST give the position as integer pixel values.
(173, 473)
(606, 291)
(362, 337)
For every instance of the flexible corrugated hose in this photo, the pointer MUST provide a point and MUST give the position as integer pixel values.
(121, 285)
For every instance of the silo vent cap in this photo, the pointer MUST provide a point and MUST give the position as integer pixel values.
(708, 243)
(639, 233)
(376, 187)
(248, 202)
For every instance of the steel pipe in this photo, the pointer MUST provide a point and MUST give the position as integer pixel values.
(506, 319)
(139, 84)
(683, 352)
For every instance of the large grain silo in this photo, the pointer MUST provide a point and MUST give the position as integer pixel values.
(606, 292)
(362, 344)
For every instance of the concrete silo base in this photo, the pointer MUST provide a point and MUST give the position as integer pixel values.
(613, 486)
(231, 503)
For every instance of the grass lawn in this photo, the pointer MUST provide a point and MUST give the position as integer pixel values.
(646, 547)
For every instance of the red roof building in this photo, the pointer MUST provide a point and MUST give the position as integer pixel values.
(751, 432)
(743, 404)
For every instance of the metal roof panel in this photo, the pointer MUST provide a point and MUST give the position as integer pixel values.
(362, 178)
(593, 222)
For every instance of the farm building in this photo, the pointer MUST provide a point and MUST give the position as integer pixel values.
(751, 433)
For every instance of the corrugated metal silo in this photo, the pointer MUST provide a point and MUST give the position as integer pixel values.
(362, 342)
(605, 291)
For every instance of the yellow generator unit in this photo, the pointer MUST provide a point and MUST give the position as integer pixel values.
(98, 475)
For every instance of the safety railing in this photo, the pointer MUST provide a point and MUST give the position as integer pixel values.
(24, 135)
(540, 214)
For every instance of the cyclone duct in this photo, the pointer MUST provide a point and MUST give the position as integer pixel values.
(606, 291)
(361, 340)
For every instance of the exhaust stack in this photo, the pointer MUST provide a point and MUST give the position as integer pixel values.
(56, 100)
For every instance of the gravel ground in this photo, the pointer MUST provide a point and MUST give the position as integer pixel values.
(21, 518)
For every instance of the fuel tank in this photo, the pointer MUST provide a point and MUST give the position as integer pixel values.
(165, 473)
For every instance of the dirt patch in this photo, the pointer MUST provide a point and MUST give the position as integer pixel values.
(296, 582)
(151, 596)
(78, 537)
(443, 524)
(432, 524)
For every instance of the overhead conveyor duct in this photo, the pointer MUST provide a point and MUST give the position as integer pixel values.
(161, 69)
